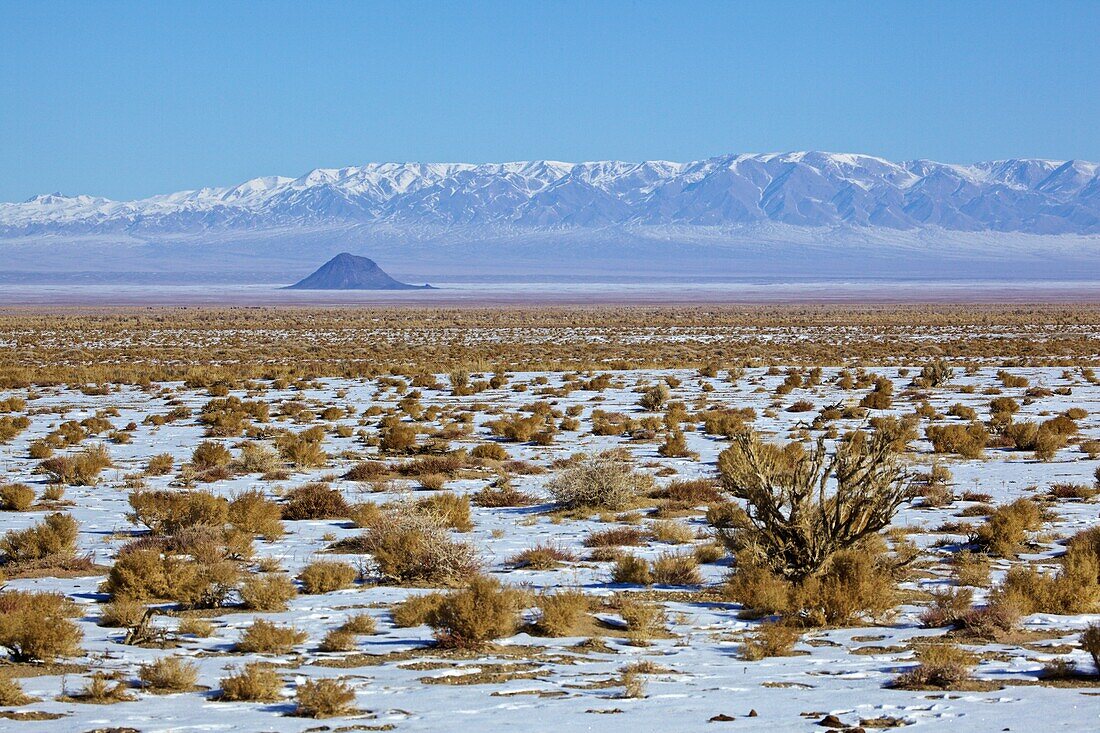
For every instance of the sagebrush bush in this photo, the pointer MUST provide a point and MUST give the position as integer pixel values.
(769, 640)
(560, 612)
(448, 509)
(159, 465)
(256, 458)
(194, 572)
(52, 538)
(602, 481)
(268, 592)
(968, 441)
(16, 497)
(410, 547)
(315, 500)
(670, 568)
(82, 469)
(1073, 589)
(324, 698)
(790, 522)
(169, 674)
(482, 611)
(210, 454)
(360, 623)
(123, 613)
(941, 666)
(632, 570)
(252, 512)
(337, 640)
(265, 637)
(255, 682)
(36, 627)
(1090, 642)
(414, 610)
(167, 511)
(1007, 529)
(11, 693)
(490, 451)
(324, 576)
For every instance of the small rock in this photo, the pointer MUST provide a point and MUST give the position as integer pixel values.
(831, 721)
(753, 713)
(721, 718)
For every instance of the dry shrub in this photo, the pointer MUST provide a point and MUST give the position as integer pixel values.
(410, 547)
(671, 532)
(210, 454)
(194, 571)
(947, 606)
(942, 666)
(11, 693)
(256, 458)
(253, 513)
(123, 613)
(1005, 532)
(159, 465)
(324, 576)
(414, 610)
(316, 500)
(560, 612)
(168, 512)
(670, 568)
(360, 623)
(324, 698)
(431, 481)
(881, 397)
(264, 637)
(970, 568)
(197, 627)
(695, 492)
(769, 640)
(602, 481)
(10, 427)
(35, 626)
(269, 592)
(1090, 642)
(632, 570)
(169, 674)
(53, 538)
(490, 451)
(337, 640)
(303, 450)
(1045, 439)
(543, 556)
(1074, 588)
(482, 611)
(256, 682)
(448, 509)
(615, 537)
(102, 689)
(501, 493)
(644, 620)
(968, 441)
(398, 438)
(1068, 491)
(82, 469)
(791, 523)
(367, 471)
(16, 497)
(518, 428)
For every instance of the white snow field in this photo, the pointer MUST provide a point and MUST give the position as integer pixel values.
(533, 683)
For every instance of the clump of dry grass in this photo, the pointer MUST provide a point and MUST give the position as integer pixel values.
(502, 493)
(324, 698)
(122, 613)
(169, 512)
(264, 637)
(11, 693)
(769, 640)
(544, 556)
(631, 570)
(255, 682)
(102, 689)
(644, 620)
(82, 469)
(448, 509)
(169, 674)
(324, 576)
(671, 568)
(942, 666)
(361, 624)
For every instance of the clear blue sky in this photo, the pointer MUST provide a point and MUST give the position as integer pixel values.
(130, 99)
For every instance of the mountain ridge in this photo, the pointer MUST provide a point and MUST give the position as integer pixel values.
(802, 189)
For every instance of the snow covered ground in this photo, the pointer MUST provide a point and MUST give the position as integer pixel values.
(401, 683)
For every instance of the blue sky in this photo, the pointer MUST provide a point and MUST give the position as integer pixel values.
(126, 100)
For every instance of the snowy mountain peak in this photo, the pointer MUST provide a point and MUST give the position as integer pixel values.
(800, 188)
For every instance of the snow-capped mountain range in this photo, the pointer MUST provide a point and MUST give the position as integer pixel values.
(804, 189)
(808, 214)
